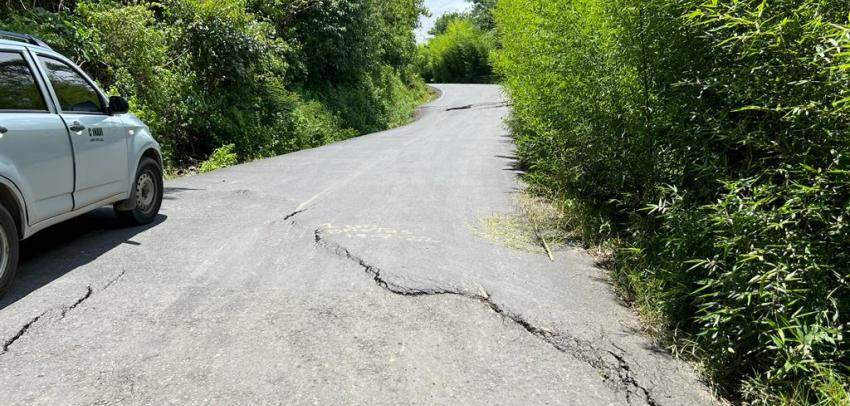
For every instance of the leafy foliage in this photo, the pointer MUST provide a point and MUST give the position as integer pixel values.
(460, 54)
(459, 50)
(482, 13)
(710, 139)
(222, 157)
(267, 77)
(441, 24)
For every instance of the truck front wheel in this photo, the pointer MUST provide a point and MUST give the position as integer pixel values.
(146, 194)
(8, 249)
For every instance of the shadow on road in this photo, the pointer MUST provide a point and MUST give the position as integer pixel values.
(62, 248)
(507, 139)
(169, 192)
(513, 164)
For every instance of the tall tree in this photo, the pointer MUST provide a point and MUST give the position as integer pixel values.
(482, 13)
(442, 22)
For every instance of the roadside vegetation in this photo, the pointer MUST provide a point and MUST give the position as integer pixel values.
(706, 142)
(241, 79)
(460, 46)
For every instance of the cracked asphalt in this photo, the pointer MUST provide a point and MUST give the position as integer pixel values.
(347, 274)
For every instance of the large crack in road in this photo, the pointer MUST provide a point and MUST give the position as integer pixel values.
(612, 366)
(61, 312)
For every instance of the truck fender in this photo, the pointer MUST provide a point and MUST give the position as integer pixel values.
(23, 222)
(141, 151)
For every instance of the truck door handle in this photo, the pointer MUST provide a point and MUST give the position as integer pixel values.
(3, 130)
(77, 127)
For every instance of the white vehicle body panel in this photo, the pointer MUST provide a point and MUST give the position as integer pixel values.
(101, 158)
(36, 153)
(29, 231)
(101, 162)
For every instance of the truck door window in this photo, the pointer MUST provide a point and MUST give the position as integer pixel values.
(18, 91)
(74, 92)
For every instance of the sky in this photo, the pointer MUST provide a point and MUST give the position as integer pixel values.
(438, 7)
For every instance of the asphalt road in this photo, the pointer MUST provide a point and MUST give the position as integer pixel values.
(347, 274)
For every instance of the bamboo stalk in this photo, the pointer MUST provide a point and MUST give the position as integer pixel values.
(538, 234)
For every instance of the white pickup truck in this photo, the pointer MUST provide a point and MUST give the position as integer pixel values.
(65, 149)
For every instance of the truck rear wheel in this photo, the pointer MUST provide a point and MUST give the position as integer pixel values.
(9, 247)
(147, 195)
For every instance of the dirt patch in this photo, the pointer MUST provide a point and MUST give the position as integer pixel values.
(536, 225)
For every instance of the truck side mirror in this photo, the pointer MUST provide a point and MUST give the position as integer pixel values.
(118, 105)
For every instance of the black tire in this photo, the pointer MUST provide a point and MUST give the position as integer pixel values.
(9, 249)
(147, 193)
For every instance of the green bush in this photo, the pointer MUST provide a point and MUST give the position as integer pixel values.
(222, 157)
(378, 100)
(710, 139)
(459, 54)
